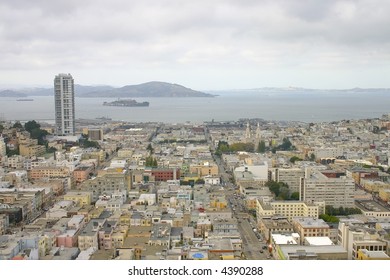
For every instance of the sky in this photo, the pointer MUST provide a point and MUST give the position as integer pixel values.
(203, 44)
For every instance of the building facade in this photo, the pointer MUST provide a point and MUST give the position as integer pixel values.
(335, 192)
(64, 104)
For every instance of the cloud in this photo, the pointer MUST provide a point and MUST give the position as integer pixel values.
(183, 36)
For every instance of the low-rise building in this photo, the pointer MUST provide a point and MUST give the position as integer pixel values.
(79, 197)
(310, 227)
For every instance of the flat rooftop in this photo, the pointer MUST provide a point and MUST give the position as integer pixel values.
(370, 206)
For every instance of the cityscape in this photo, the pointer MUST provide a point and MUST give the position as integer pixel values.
(245, 189)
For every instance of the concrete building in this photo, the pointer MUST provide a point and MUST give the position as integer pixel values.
(257, 173)
(4, 223)
(384, 194)
(49, 172)
(371, 208)
(292, 177)
(354, 235)
(296, 252)
(78, 197)
(310, 227)
(364, 254)
(274, 225)
(95, 134)
(289, 209)
(335, 192)
(3, 150)
(89, 237)
(64, 104)
(107, 184)
(205, 169)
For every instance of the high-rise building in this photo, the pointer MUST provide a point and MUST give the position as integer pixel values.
(3, 150)
(64, 104)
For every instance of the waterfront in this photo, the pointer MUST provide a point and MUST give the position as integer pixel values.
(229, 106)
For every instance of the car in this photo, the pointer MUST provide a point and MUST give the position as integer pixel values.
(264, 247)
(261, 251)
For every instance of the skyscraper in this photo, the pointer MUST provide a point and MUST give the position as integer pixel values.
(64, 104)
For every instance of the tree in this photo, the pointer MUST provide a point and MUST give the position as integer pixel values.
(341, 211)
(150, 148)
(261, 147)
(1, 128)
(279, 189)
(91, 144)
(294, 159)
(294, 196)
(151, 162)
(36, 132)
(31, 125)
(329, 218)
(286, 145)
(51, 150)
(17, 125)
(312, 157)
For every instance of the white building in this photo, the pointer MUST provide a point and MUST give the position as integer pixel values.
(64, 104)
(3, 150)
(292, 177)
(335, 192)
(328, 152)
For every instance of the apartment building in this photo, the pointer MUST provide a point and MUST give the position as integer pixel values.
(289, 209)
(335, 192)
(310, 227)
(290, 176)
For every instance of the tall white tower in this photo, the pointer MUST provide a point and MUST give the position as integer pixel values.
(248, 131)
(64, 104)
(258, 131)
(3, 149)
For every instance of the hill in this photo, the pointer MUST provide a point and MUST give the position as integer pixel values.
(150, 89)
(11, 93)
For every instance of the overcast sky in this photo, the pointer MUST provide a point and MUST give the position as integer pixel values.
(203, 45)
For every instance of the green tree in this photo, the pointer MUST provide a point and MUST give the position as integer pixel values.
(91, 144)
(261, 147)
(150, 161)
(150, 148)
(312, 157)
(17, 125)
(329, 218)
(1, 128)
(36, 132)
(341, 211)
(294, 159)
(51, 150)
(294, 196)
(31, 125)
(279, 189)
(286, 145)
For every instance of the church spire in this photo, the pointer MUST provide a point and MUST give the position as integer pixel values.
(248, 131)
(258, 132)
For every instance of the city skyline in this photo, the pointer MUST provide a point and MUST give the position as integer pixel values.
(205, 46)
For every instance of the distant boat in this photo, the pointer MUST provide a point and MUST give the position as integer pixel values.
(126, 103)
(25, 99)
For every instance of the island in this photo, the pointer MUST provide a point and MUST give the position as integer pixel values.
(126, 103)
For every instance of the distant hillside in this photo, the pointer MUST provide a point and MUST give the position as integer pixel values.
(11, 93)
(150, 89)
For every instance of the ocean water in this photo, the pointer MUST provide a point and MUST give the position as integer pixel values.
(306, 107)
